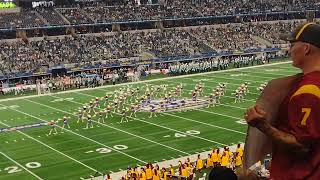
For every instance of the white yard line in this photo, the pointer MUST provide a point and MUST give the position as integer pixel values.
(173, 161)
(277, 69)
(54, 149)
(216, 113)
(233, 84)
(84, 137)
(289, 68)
(219, 114)
(200, 122)
(176, 77)
(33, 174)
(268, 73)
(198, 137)
(250, 75)
(237, 107)
(188, 119)
(114, 128)
(236, 78)
(251, 100)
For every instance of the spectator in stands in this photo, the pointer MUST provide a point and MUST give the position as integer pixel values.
(199, 164)
(108, 177)
(296, 134)
(89, 13)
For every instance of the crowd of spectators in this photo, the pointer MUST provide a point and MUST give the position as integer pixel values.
(27, 57)
(76, 16)
(272, 32)
(227, 37)
(231, 7)
(118, 48)
(220, 164)
(24, 19)
(133, 11)
(51, 16)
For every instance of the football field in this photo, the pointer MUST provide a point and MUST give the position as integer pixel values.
(113, 146)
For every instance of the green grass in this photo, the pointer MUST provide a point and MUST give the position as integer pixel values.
(63, 156)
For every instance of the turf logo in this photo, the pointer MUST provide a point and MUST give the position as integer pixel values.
(174, 105)
(9, 107)
(272, 70)
(237, 75)
(62, 99)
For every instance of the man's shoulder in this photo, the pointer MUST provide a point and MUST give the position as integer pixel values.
(307, 88)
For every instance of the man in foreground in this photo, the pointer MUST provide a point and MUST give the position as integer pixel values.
(295, 134)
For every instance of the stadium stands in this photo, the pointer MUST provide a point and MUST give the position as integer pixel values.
(271, 32)
(20, 20)
(75, 15)
(101, 13)
(27, 56)
(20, 57)
(51, 16)
(227, 38)
(222, 7)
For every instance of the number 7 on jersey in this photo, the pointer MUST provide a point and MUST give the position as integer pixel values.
(306, 112)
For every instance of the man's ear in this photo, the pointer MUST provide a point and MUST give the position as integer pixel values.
(307, 49)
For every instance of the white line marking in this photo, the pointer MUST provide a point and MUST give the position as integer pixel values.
(36, 176)
(200, 122)
(217, 83)
(237, 107)
(54, 149)
(111, 126)
(82, 136)
(224, 115)
(152, 80)
(189, 84)
(164, 127)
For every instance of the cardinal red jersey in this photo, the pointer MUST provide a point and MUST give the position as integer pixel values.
(299, 115)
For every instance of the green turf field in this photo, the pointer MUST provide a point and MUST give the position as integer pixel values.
(78, 152)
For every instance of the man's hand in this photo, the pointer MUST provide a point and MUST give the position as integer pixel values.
(255, 116)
